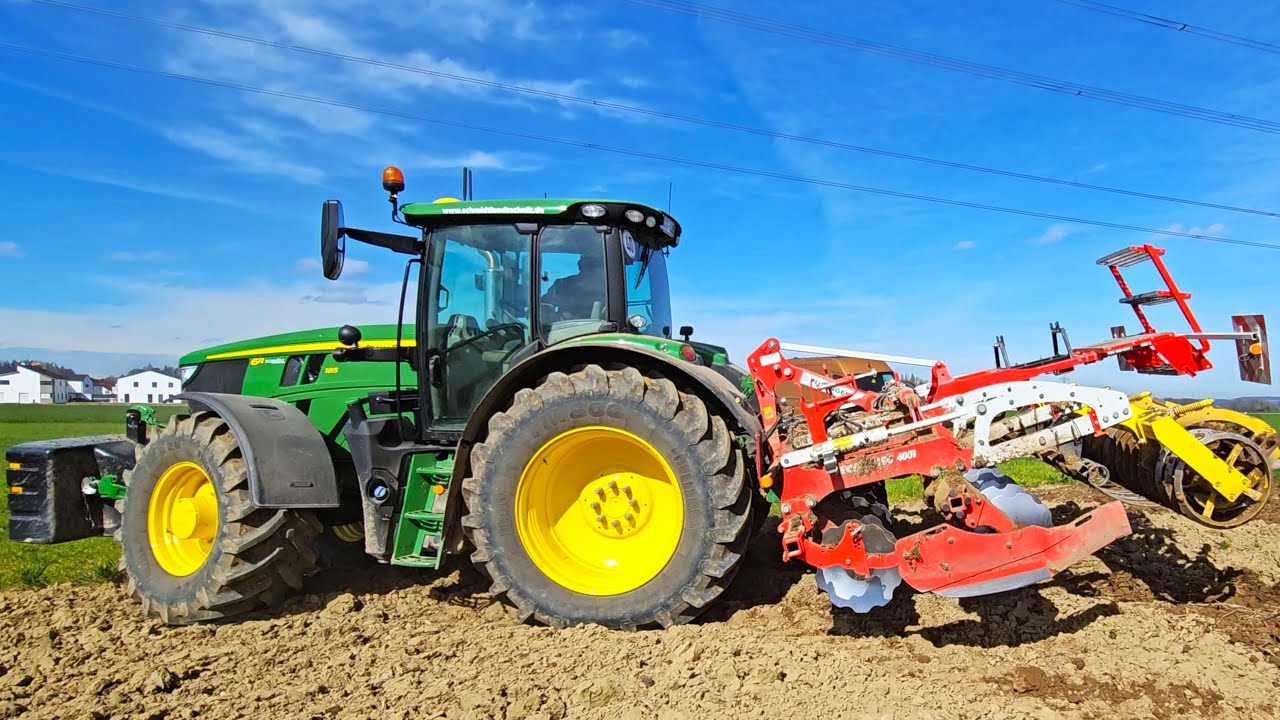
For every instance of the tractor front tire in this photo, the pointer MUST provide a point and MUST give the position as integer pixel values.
(193, 546)
(609, 498)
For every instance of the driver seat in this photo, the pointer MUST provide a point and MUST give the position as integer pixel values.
(459, 328)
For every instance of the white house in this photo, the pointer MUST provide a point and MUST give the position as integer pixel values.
(147, 386)
(103, 391)
(80, 388)
(33, 384)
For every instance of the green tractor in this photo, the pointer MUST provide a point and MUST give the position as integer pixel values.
(537, 414)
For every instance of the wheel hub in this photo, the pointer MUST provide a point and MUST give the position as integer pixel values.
(599, 510)
(195, 517)
(617, 505)
(182, 518)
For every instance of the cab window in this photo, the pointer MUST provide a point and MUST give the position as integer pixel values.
(648, 295)
(572, 292)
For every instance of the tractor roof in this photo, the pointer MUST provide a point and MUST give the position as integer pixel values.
(447, 211)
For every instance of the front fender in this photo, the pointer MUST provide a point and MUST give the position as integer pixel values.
(288, 463)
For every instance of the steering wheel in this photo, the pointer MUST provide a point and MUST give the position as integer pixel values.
(514, 328)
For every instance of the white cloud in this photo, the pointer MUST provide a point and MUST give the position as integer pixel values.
(9, 248)
(1216, 229)
(349, 266)
(138, 256)
(481, 160)
(242, 153)
(157, 322)
(620, 39)
(1054, 233)
(964, 245)
(174, 190)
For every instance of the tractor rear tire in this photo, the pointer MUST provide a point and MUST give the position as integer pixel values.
(194, 547)
(549, 486)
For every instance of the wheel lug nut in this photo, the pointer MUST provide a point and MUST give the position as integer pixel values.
(627, 489)
(600, 519)
(595, 506)
(629, 518)
(600, 492)
(616, 524)
(635, 505)
(613, 485)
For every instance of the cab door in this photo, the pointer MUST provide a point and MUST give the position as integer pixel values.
(476, 314)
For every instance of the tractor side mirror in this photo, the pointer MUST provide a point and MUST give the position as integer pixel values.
(686, 331)
(332, 239)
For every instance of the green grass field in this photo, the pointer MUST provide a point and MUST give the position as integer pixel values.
(95, 559)
(1272, 419)
(80, 561)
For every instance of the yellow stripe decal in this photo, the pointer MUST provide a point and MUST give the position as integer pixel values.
(303, 348)
(14, 466)
(15, 489)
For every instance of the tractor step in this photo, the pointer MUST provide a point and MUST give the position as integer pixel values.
(419, 534)
(1131, 255)
(1154, 297)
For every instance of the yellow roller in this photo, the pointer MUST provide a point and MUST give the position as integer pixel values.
(1211, 464)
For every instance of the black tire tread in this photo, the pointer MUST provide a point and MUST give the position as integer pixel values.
(262, 555)
(707, 434)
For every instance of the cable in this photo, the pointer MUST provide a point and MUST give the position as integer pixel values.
(625, 151)
(1044, 83)
(652, 113)
(1173, 25)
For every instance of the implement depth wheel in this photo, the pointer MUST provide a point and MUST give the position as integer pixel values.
(608, 498)
(193, 547)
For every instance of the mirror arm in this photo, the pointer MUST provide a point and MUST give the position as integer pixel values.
(403, 244)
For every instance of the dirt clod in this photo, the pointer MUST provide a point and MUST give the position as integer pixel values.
(160, 681)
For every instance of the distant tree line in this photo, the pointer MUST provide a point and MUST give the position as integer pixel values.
(1244, 404)
(8, 366)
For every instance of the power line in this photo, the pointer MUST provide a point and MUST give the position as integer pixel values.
(766, 25)
(620, 107)
(1173, 25)
(626, 151)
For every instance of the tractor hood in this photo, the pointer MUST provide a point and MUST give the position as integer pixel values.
(301, 341)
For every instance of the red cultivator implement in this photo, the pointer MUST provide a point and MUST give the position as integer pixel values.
(825, 459)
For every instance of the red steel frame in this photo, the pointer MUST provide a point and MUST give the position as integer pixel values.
(945, 556)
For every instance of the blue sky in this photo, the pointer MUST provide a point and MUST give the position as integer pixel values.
(150, 215)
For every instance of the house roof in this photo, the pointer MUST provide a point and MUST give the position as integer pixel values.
(149, 370)
(57, 374)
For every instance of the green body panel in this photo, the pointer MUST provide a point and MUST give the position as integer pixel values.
(419, 540)
(336, 386)
(710, 354)
(448, 212)
(662, 345)
(286, 343)
(533, 207)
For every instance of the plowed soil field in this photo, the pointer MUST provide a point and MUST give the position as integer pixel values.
(1173, 621)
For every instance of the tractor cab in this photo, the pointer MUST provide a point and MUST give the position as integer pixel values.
(500, 280)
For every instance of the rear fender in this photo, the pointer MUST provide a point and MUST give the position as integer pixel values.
(288, 462)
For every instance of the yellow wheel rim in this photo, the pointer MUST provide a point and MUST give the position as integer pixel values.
(599, 511)
(182, 519)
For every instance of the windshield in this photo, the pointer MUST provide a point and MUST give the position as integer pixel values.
(648, 295)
